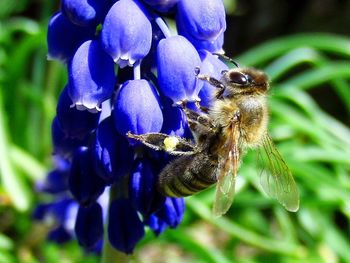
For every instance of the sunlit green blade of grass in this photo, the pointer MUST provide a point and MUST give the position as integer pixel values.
(26, 163)
(5, 242)
(315, 77)
(332, 129)
(310, 56)
(206, 253)
(12, 182)
(271, 245)
(265, 52)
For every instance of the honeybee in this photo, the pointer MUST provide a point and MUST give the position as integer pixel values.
(236, 121)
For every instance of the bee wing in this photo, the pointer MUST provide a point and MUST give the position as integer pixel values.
(227, 173)
(276, 178)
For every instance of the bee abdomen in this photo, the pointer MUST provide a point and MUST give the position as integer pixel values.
(187, 175)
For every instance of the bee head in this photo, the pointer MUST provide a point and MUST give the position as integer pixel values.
(244, 81)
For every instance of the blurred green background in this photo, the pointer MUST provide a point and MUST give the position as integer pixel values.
(304, 46)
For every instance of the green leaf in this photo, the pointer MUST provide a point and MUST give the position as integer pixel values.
(13, 182)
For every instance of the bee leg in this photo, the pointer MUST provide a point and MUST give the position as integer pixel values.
(222, 56)
(195, 119)
(214, 82)
(200, 107)
(163, 142)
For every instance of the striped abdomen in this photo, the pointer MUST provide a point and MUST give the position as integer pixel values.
(187, 175)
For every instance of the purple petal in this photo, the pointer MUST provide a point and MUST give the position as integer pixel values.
(112, 152)
(91, 76)
(201, 19)
(84, 183)
(156, 224)
(125, 228)
(127, 33)
(137, 109)
(89, 225)
(64, 38)
(172, 211)
(85, 12)
(75, 123)
(142, 186)
(63, 145)
(177, 61)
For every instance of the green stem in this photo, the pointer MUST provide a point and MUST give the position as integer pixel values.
(109, 253)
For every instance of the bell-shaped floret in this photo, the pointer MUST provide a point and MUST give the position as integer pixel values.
(125, 228)
(91, 76)
(172, 211)
(142, 187)
(84, 183)
(62, 144)
(85, 12)
(156, 224)
(75, 123)
(89, 225)
(201, 21)
(112, 154)
(64, 37)
(126, 33)
(137, 108)
(177, 61)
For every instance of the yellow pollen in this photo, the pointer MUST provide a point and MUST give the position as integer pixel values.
(170, 143)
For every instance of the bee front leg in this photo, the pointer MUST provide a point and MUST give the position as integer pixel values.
(214, 82)
(163, 142)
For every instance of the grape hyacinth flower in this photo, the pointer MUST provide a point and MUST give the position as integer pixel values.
(126, 72)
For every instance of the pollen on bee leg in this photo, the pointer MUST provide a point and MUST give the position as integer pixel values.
(170, 143)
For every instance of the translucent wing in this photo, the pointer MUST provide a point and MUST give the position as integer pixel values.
(276, 178)
(227, 173)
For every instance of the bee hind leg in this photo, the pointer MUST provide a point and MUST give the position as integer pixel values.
(173, 145)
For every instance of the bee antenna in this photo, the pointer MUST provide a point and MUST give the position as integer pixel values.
(222, 56)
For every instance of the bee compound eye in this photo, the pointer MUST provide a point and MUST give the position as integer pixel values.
(238, 78)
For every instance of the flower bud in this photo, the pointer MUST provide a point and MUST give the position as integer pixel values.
(75, 123)
(172, 211)
(137, 108)
(156, 224)
(89, 225)
(142, 187)
(56, 181)
(84, 183)
(177, 61)
(112, 154)
(91, 76)
(62, 144)
(125, 228)
(85, 12)
(126, 33)
(64, 37)
(201, 20)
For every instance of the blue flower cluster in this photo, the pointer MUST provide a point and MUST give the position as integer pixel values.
(126, 72)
